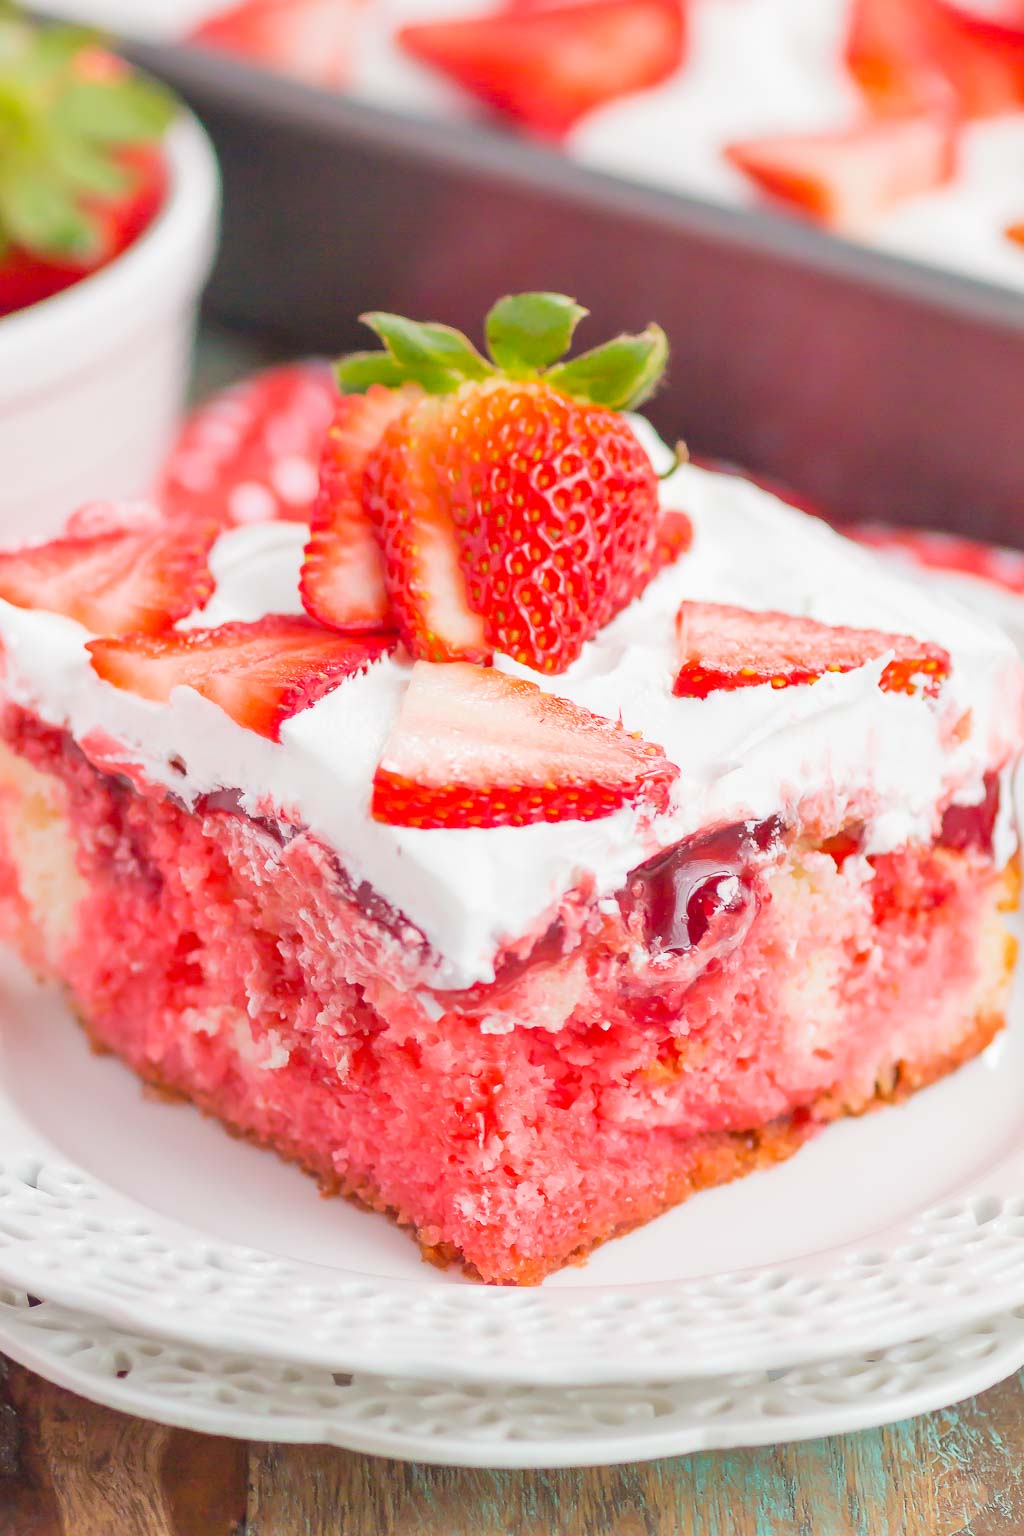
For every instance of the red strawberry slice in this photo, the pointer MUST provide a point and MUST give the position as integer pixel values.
(251, 454)
(342, 581)
(848, 179)
(96, 517)
(475, 748)
(546, 66)
(136, 579)
(426, 584)
(314, 40)
(1002, 21)
(935, 550)
(723, 647)
(913, 55)
(259, 673)
(674, 537)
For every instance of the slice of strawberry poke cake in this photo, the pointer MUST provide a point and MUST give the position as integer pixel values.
(545, 831)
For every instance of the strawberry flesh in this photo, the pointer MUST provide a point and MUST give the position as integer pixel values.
(724, 648)
(547, 66)
(914, 55)
(251, 454)
(342, 582)
(476, 748)
(314, 40)
(259, 673)
(848, 179)
(138, 578)
(674, 537)
(513, 518)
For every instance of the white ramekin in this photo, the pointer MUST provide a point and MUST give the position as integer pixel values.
(92, 380)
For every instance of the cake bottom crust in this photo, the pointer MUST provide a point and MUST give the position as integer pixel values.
(705, 1161)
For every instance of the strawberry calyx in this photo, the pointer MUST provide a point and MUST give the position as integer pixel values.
(527, 337)
(70, 114)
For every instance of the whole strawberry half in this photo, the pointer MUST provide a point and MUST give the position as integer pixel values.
(513, 505)
(723, 648)
(259, 673)
(82, 173)
(473, 747)
(251, 454)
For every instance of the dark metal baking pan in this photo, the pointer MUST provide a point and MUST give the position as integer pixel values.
(880, 388)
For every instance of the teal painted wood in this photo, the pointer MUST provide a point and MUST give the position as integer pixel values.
(956, 1473)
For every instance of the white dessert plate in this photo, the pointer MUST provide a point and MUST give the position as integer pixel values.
(142, 1214)
(501, 1426)
(145, 1214)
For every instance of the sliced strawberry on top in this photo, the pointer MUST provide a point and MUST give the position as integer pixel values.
(252, 453)
(259, 673)
(475, 748)
(723, 647)
(314, 40)
(515, 507)
(546, 66)
(848, 179)
(912, 55)
(140, 578)
(342, 580)
(943, 551)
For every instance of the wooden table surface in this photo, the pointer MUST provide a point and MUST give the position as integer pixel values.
(68, 1468)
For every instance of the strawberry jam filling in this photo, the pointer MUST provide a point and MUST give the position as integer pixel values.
(972, 827)
(679, 893)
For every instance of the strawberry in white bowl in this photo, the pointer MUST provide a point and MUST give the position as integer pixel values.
(108, 206)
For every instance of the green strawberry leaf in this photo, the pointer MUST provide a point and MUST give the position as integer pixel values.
(41, 215)
(621, 374)
(86, 169)
(529, 331)
(436, 356)
(49, 52)
(129, 110)
(358, 370)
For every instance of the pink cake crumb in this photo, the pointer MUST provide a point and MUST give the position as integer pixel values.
(234, 962)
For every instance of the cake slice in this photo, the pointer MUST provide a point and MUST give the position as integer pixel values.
(530, 841)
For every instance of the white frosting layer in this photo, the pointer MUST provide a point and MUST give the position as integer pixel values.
(751, 753)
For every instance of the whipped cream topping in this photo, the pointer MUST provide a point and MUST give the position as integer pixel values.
(840, 743)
